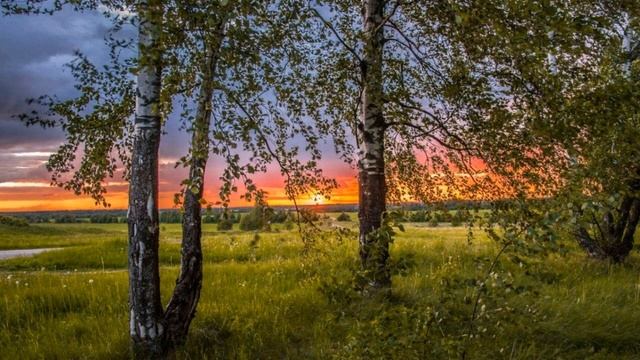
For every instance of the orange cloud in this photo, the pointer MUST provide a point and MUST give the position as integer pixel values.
(34, 195)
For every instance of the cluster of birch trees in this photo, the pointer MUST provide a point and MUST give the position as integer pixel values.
(534, 102)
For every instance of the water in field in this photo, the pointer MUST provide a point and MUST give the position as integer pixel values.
(9, 254)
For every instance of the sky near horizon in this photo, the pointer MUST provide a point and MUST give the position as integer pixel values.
(33, 51)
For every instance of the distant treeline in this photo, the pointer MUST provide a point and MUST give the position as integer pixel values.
(113, 217)
(412, 213)
(456, 218)
(13, 221)
(259, 218)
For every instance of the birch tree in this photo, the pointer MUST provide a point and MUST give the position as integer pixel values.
(146, 311)
(182, 305)
(375, 79)
(374, 249)
(195, 58)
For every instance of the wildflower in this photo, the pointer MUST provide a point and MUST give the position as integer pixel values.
(90, 281)
(9, 277)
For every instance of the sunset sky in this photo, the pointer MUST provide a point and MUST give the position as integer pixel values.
(33, 50)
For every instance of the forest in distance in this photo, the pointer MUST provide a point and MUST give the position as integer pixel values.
(493, 149)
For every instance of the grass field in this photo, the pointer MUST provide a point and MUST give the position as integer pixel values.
(265, 298)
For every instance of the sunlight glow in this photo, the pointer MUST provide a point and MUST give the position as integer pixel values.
(318, 199)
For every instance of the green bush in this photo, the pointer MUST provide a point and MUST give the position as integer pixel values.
(13, 221)
(444, 216)
(210, 218)
(257, 219)
(308, 215)
(419, 216)
(343, 217)
(289, 224)
(281, 216)
(225, 224)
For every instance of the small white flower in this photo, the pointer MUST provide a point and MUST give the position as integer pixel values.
(64, 286)
(26, 284)
(90, 281)
(9, 277)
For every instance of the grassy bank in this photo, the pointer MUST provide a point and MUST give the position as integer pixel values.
(262, 298)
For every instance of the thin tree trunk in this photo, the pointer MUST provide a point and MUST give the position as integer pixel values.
(183, 303)
(374, 249)
(588, 243)
(631, 224)
(146, 313)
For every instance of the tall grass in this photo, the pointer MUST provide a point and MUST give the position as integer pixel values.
(263, 299)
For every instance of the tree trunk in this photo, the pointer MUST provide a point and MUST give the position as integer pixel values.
(146, 314)
(615, 237)
(182, 306)
(374, 249)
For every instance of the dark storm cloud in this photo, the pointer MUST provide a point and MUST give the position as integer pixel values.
(33, 51)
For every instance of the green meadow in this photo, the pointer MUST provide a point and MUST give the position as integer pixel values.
(271, 295)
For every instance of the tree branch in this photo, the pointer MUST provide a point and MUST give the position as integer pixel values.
(335, 32)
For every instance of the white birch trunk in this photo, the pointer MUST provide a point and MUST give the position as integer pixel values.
(146, 313)
(372, 188)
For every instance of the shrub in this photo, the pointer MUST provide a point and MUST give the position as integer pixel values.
(309, 215)
(13, 221)
(343, 217)
(289, 224)
(210, 218)
(444, 216)
(225, 224)
(281, 216)
(257, 219)
(419, 216)
(249, 222)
